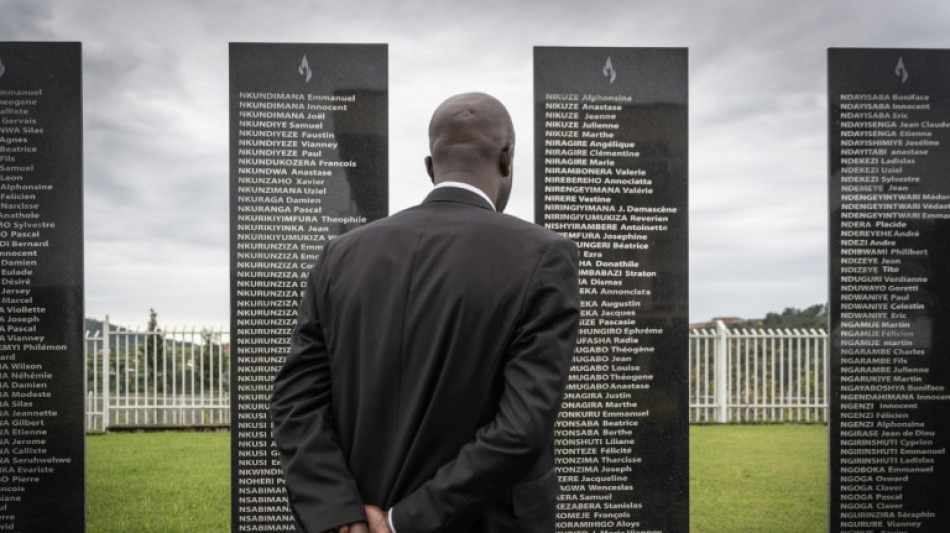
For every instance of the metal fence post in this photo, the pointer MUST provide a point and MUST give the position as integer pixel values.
(722, 373)
(105, 374)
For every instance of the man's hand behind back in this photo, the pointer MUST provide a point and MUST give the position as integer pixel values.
(378, 521)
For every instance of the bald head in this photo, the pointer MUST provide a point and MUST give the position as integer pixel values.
(472, 140)
(470, 118)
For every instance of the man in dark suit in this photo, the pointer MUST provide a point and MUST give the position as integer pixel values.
(431, 354)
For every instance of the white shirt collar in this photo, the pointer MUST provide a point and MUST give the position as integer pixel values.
(466, 186)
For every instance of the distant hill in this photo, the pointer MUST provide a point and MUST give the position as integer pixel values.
(93, 325)
(812, 317)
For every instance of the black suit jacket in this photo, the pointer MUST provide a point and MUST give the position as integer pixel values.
(426, 372)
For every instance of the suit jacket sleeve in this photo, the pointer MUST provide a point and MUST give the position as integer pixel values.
(535, 374)
(321, 489)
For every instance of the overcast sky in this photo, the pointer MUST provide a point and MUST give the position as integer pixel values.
(156, 132)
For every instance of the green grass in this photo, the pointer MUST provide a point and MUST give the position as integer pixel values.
(770, 479)
(758, 479)
(158, 482)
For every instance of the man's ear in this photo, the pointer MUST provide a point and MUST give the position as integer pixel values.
(505, 160)
(430, 169)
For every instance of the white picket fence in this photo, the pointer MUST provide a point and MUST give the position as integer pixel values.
(181, 377)
(758, 376)
(149, 379)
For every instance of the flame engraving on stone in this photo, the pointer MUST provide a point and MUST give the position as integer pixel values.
(900, 70)
(609, 70)
(304, 69)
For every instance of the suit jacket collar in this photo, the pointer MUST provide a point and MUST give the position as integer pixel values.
(456, 195)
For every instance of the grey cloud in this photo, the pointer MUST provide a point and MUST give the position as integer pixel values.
(155, 95)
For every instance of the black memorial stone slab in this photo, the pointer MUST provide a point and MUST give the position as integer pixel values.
(42, 436)
(309, 161)
(889, 155)
(611, 173)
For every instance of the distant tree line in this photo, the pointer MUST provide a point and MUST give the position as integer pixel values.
(812, 317)
(154, 362)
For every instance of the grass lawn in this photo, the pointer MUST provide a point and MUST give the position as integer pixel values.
(158, 482)
(758, 479)
(770, 479)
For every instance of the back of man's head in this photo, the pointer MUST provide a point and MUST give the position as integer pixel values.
(472, 139)
(469, 125)
(474, 119)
